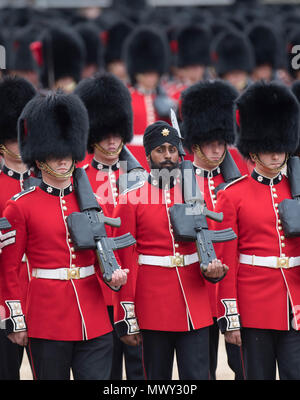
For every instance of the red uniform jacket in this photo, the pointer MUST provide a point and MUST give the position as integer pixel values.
(166, 299)
(11, 183)
(56, 309)
(261, 295)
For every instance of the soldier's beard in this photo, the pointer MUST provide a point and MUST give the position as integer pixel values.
(168, 165)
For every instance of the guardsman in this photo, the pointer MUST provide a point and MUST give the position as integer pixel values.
(146, 55)
(66, 323)
(233, 58)
(207, 126)
(14, 95)
(259, 297)
(170, 286)
(108, 103)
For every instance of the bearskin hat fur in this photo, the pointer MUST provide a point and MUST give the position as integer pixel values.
(146, 50)
(267, 119)
(53, 126)
(116, 35)
(193, 46)
(15, 93)
(207, 112)
(90, 35)
(108, 102)
(265, 42)
(63, 53)
(232, 51)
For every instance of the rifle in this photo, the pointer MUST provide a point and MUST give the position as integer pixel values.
(289, 209)
(135, 172)
(189, 219)
(87, 227)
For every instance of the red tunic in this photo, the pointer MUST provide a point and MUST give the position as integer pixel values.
(166, 299)
(56, 309)
(261, 295)
(11, 183)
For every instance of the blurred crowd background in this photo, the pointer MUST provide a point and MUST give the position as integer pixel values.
(252, 37)
(155, 50)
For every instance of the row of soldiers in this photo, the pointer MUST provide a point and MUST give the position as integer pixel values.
(48, 132)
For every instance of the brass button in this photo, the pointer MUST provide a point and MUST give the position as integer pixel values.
(282, 245)
(73, 256)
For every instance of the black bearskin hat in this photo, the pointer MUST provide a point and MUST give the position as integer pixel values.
(207, 112)
(15, 93)
(232, 51)
(114, 40)
(20, 57)
(63, 55)
(193, 46)
(266, 45)
(108, 102)
(146, 50)
(90, 35)
(267, 116)
(53, 126)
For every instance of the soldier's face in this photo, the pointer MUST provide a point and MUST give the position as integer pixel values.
(213, 151)
(61, 165)
(148, 80)
(164, 156)
(271, 160)
(111, 142)
(12, 146)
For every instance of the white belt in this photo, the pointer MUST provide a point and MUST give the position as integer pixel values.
(169, 261)
(271, 262)
(63, 273)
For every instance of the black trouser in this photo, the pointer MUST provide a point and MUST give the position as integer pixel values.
(88, 359)
(133, 361)
(233, 351)
(11, 356)
(132, 355)
(262, 348)
(192, 354)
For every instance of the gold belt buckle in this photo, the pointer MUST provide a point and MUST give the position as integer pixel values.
(282, 262)
(73, 273)
(177, 261)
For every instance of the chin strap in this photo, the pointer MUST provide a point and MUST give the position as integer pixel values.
(4, 149)
(257, 160)
(109, 153)
(203, 157)
(46, 168)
